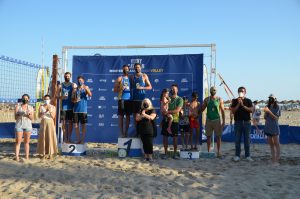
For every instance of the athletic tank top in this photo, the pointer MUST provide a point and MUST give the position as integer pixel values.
(213, 109)
(137, 82)
(81, 106)
(66, 90)
(124, 94)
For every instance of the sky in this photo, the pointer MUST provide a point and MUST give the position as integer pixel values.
(257, 41)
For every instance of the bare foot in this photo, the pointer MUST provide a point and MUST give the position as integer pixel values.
(17, 159)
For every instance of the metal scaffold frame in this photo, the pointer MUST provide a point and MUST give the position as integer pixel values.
(211, 46)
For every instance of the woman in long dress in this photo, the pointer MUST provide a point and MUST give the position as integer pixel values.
(47, 142)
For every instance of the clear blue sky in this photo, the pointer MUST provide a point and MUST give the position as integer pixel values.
(258, 41)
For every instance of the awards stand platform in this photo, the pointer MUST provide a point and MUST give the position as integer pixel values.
(129, 147)
(185, 154)
(207, 155)
(73, 149)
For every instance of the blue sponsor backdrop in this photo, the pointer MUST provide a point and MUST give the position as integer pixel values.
(100, 73)
(288, 134)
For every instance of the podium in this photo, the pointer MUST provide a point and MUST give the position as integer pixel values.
(129, 147)
(189, 155)
(209, 155)
(73, 149)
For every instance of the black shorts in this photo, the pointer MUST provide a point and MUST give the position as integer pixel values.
(124, 107)
(184, 128)
(136, 106)
(80, 117)
(66, 115)
(174, 129)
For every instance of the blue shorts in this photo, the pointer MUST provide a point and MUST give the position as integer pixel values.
(23, 130)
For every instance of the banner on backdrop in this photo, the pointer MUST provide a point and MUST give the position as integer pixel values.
(100, 73)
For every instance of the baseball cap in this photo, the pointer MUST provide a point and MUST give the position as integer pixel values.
(272, 96)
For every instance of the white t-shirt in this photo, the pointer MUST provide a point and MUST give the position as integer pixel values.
(256, 114)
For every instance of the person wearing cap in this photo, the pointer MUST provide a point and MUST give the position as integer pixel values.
(215, 108)
(272, 114)
(122, 87)
(195, 108)
(242, 108)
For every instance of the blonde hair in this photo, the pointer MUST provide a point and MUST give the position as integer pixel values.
(149, 102)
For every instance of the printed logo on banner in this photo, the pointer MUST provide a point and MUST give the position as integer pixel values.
(89, 115)
(155, 90)
(102, 80)
(89, 107)
(157, 70)
(101, 107)
(134, 61)
(170, 80)
(184, 80)
(89, 80)
(34, 131)
(113, 80)
(114, 125)
(114, 71)
(114, 107)
(115, 116)
(100, 124)
(102, 89)
(101, 116)
(257, 135)
(184, 89)
(115, 98)
(153, 98)
(156, 81)
(102, 98)
(89, 124)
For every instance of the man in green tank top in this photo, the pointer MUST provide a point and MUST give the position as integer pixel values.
(214, 105)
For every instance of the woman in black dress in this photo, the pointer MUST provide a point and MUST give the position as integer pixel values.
(145, 127)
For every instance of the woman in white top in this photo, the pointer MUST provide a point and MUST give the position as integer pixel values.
(47, 142)
(23, 116)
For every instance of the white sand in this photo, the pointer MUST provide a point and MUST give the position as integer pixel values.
(104, 176)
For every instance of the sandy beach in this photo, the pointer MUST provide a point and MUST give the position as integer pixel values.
(104, 175)
(100, 175)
